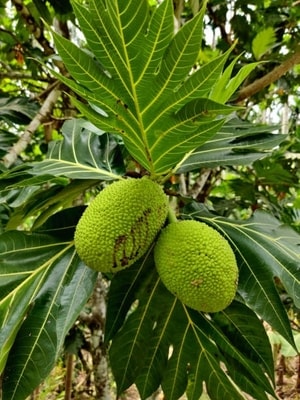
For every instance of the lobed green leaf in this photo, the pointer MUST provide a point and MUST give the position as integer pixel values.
(138, 81)
(82, 154)
(236, 143)
(183, 348)
(44, 285)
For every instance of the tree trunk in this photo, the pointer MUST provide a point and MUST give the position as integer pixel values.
(98, 349)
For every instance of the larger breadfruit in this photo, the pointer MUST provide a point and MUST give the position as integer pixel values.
(197, 265)
(118, 227)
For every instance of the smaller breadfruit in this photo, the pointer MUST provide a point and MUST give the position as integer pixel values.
(118, 227)
(197, 265)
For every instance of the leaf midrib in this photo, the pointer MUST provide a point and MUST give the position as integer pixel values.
(136, 100)
(58, 289)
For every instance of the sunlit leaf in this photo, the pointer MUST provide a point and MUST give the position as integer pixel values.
(138, 79)
(226, 85)
(263, 42)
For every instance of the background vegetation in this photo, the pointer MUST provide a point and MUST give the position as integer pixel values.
(59, 320)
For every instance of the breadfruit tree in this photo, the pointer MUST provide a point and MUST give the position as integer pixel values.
(191, 287)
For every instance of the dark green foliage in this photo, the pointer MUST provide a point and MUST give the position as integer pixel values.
(17, 110)
(153, 106)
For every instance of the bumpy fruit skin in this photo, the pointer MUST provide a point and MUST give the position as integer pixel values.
(197, 265)
(118, 227)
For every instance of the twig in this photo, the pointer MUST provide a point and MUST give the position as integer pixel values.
(217, 22)
(52, 85)
(200, 183)
(297, 386)
(34, 28)
(69, 375)
(42, 115)
(37, 30)
(20, 75)
(269, 78)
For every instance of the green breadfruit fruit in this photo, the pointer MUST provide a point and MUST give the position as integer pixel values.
(197, 265)
(118, 227)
